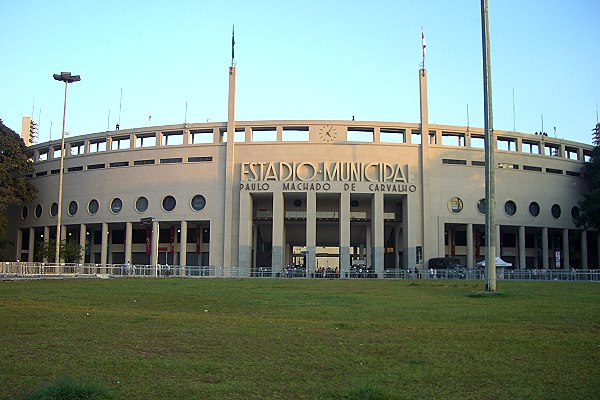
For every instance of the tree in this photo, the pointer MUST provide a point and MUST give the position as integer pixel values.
(14, 165)
(589, 204)
(69, 252)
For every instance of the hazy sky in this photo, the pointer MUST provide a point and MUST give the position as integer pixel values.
(299, 60)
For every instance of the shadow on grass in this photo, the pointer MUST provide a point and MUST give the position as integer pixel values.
(486, 294)
(67, 389)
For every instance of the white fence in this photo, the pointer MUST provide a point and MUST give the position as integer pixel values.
(25, 269)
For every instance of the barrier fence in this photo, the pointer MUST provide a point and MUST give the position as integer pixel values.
(26, 269)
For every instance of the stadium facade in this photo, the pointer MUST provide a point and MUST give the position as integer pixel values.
(249, 197)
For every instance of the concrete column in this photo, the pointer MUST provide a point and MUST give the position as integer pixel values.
(245, 239)
(19, 244)
(584, 250)
(127, 244)
(545, 262)
(565, 249)
(278, 230)
(46, 240)
(311, 232)
(377, 222)
(31, 245)
(82, 240)
(183, 246)
(104, 248)
(154, 245)
(441, 244)
(63, 238)
(368, 251)
(230, 185)
(522, 249)
(397, 241)
(470, 247)
(344, 233)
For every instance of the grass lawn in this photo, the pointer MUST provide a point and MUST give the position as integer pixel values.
(302, 339)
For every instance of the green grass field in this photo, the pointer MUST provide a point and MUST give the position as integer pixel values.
(301, 339)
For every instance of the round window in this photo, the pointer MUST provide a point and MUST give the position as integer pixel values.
(141, 204)
(38, 210)
(24, 212)
(556, 211)
(73, 207)
(198, 202)
(455, 205)
(534, 209)
(93, 206)
(481, 206)
(54, 210)
(169, 203)
(575, 212)
(116, 205)
(510, 208)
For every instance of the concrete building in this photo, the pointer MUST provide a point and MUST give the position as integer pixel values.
(253, 197)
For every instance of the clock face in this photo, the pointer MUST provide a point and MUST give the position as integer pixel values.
(328, 133)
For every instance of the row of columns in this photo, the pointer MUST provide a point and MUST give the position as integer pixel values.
(545, 248)
(375, 241)
(104, 242)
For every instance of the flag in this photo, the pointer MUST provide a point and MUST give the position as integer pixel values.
(233, 42)
(424, 44)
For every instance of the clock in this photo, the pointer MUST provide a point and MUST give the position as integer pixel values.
(328, 133)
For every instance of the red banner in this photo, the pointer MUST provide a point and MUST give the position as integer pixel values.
(148, 240)
(198, 233)
(172, 241)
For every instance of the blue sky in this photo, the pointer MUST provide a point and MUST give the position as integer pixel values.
(300, 60)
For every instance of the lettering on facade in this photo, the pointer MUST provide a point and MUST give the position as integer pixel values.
(324, 172)
(326, 176)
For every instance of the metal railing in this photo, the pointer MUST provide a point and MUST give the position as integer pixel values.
(33, 269)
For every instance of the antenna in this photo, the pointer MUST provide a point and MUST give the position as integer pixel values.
(542, 115)
(185, 117)
(39, 124)
(108, 121)
(232, 45)
(32, 106)
(468, 124)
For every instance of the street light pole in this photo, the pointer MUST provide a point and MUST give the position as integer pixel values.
(67, 78)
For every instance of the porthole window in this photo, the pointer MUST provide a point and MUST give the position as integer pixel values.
(354, 203)
(73, 207)
(481, 206)
(556, 211)
(141, 204)
(455, 205)
(510, 208)
(93, 206)
(198, 202)
(534, 209)
(297, 203)
(24, 212)
(38, 210)
(54, 210)
(575, 212)
(169, 203)
(116, 205)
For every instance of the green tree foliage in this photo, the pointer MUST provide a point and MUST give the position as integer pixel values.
(589, 205)
(14, 165)
(69, 252)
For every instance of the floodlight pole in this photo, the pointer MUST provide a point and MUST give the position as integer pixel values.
(67, 78)
(490, 180)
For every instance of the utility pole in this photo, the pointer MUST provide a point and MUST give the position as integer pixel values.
(490, 180)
